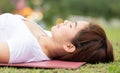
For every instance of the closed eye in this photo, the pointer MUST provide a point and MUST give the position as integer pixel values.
(70, 26)
(75, 24)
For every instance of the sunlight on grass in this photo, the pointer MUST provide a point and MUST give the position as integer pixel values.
(114, 68)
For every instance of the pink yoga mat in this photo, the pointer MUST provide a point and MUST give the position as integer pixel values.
(48, 64)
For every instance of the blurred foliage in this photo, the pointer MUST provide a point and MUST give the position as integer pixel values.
(54, 9)
(6, 6)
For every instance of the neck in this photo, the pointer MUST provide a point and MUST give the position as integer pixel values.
(50, 47)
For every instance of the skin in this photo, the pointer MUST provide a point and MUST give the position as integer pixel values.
(59, 44)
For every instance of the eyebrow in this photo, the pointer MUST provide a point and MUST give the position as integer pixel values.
(75, 24)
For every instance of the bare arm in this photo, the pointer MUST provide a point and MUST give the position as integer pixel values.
(4, 52)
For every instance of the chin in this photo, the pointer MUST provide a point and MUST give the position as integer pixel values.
(53, 28)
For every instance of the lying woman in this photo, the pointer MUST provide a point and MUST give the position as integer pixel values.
(24, 41)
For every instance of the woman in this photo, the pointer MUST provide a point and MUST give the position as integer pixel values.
(24, 41)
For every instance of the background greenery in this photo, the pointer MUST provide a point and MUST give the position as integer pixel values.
(53, 9)
(65, 8)
(6, 6)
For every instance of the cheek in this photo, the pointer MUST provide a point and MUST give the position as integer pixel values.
(63, 32)
(68, 34)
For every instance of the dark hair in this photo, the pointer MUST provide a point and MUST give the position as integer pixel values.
(92, 46)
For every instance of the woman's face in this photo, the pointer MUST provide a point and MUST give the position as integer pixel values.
(66, 31)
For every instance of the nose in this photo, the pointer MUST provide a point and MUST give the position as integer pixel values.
(66, 21)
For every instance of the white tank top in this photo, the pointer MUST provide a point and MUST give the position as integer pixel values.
(23, 46)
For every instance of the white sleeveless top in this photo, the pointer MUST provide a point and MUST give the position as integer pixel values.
(23, 46)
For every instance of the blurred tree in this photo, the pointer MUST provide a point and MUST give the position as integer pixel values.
(54, 9)
(6, 6)
(114, 8)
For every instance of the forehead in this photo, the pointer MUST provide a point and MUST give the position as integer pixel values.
(81, 24)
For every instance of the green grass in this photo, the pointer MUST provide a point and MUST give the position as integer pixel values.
(114, 67)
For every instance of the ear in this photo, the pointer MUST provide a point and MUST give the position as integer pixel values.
(68, 47)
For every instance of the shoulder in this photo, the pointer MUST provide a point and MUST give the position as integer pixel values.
(10, 14)
(6, 14)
